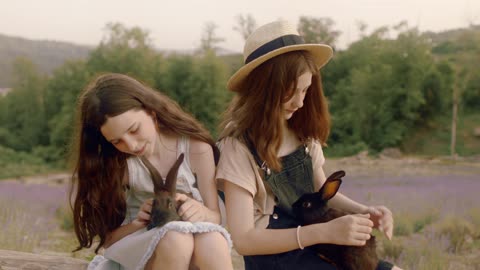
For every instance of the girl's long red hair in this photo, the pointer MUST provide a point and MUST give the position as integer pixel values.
(256, 111)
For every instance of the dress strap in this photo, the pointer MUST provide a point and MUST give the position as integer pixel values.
(183, 146)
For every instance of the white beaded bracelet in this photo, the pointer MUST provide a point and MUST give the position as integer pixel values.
(298, 238)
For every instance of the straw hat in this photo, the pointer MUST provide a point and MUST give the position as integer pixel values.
(271, 40)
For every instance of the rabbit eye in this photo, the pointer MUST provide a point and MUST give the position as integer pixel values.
(170, 204)
(307, 204)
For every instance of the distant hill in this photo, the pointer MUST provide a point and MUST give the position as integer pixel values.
(451, 35)
(454, 40)
(45, 54)
(48, 55)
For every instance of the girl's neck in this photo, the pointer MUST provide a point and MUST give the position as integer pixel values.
(290, 141)
(165, 142)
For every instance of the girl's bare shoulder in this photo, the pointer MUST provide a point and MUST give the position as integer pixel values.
(199, 147)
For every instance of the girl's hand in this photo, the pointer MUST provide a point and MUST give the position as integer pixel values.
(382, 219)
(351, 230)
(143, 215)
(190, 210)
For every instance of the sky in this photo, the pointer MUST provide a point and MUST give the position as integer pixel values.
(178, 24)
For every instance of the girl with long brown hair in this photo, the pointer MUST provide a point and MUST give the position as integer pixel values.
(120, 122)
(271, 153)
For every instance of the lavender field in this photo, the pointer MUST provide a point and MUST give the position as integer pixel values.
(33, 212)
(435, 204)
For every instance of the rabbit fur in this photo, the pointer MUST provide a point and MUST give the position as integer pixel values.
(313, 208)
(164, 208)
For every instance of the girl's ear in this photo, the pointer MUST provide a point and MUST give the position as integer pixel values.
(330, 188)
(171, 182)
(154, 116)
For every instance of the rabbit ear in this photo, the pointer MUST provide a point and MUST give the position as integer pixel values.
(336, 175)
(330, 188)
(171, 182)
(156, 177)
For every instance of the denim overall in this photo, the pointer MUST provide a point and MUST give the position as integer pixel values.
(295, 179)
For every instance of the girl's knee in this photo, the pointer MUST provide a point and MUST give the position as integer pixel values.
(176, 244)
(210, 242)
(173, 251)
(211, 251)
(210, 238)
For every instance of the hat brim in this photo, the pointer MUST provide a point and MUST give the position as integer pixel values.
(321, 54)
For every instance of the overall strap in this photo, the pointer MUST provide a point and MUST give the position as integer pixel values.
(261, 163)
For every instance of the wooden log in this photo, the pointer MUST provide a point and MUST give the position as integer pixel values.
(15, 260)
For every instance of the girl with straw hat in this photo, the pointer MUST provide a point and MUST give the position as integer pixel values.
(271, 144)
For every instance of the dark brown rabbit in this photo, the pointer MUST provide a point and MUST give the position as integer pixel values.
(313, 208)
(164, 207)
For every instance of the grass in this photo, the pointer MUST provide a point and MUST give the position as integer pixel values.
(17, 223)
(64, 216)
(408, 223)
(28, 229)
(460, 232)
(445, 243)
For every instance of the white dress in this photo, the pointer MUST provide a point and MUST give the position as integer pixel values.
(134, 250)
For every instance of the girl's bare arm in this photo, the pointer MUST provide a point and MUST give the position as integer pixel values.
(140, 222)
(203, 165)
(380, 215)
(248, 240)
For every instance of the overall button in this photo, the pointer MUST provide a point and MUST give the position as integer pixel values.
(275, 216)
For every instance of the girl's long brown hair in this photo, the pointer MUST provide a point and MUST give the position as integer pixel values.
(256, 111)
(97, 189)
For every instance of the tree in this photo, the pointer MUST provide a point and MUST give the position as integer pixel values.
(125, 50)
(245, 25)
(209, 40)
(207, 92)
(24, 118)
(175, 81)
(462, 51)
(436, 91)
(318, 30)
(471, 94)
(60, 99)
(378, 96)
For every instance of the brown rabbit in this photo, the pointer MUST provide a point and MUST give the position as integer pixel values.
(312, 208)
(164, 208)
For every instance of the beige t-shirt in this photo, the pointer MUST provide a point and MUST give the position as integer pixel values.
(237, 165)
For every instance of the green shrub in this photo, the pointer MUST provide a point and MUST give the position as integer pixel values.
(17, 164)
(342, 150)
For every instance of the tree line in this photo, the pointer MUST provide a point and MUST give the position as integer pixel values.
(380, 89)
